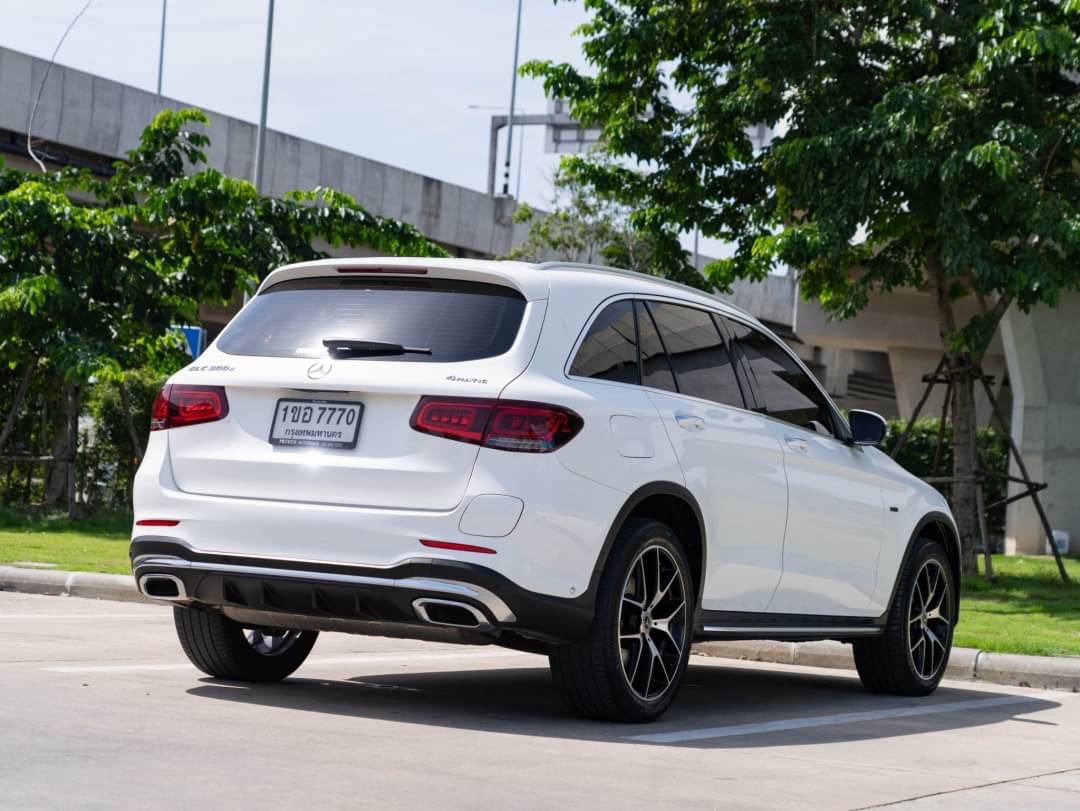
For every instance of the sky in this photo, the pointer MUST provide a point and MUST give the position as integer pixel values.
(391, 80)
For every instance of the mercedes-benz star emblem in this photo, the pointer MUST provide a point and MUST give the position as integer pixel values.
(320, 368)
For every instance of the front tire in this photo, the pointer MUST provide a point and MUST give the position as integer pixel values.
(910, 658)
(225, 649)
(631, 664)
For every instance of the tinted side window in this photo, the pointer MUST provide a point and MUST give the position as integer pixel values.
(701, 362)
(655, 370)
(790, 395)
(609, 351)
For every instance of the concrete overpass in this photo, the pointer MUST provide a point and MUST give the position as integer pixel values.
(1035, 360)
(875, 361)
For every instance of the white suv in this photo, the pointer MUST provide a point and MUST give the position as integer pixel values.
(588, 463)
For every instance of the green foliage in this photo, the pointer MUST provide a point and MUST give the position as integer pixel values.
(586, 227)
(95, 272)
(943, 131)
(107, 465)
(917, 456)
(96, 288)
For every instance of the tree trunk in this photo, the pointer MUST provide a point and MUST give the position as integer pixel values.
(136, 440)
(17, 403)
(965, 466)
(73, 446)
(56, 477)
(965, 453)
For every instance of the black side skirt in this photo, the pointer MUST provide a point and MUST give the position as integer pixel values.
(783, 627)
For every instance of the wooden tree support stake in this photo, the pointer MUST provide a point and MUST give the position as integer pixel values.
(1031, 488)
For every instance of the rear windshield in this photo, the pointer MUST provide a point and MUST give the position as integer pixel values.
(456, 320)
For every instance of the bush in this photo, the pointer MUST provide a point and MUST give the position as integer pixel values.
(917, 456)
(109, 458)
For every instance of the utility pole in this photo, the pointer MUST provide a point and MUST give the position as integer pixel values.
(260, 139)
(513, 101)
(161, 47)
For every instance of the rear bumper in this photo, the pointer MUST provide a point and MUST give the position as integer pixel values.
(336, 596)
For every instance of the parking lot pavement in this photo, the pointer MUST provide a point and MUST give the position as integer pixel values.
(99, 709)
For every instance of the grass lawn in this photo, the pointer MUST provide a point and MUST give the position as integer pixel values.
(1027, 609)
(96, 544)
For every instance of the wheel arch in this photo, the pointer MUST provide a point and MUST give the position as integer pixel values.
(673, 505)
(936, 526)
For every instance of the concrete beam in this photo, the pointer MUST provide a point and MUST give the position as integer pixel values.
(81, 111)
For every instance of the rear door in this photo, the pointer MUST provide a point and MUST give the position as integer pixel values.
(835, 520)
(730, 459)
(307, 425)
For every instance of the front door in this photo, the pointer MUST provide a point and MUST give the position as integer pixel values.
(835, 516)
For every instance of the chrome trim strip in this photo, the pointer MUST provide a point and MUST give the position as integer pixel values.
(767, 630)
(500, 610)
(420, 605)
(181, 592)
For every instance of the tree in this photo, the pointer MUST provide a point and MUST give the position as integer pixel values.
(923, 143)
(94, 273)
(588, 227)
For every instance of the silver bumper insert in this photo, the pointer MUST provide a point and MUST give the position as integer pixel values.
(450, 588)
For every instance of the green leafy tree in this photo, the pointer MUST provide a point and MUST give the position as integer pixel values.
(584, 226)
(932, 144)
(94, 272)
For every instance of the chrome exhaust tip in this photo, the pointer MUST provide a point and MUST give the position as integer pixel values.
(450, 613)
(162, 587)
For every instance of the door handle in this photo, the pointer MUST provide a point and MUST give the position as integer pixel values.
(691, 422)
(797, 443)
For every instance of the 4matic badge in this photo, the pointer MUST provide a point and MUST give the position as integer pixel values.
(456, 379)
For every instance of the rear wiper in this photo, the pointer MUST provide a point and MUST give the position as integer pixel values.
(347, 348)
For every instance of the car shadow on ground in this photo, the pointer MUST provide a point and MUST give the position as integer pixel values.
(523, 701)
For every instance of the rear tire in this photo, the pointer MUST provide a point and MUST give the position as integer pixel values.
(224, 649)
(631, 664)
(910, 658)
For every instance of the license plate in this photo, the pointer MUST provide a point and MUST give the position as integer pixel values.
(316, 423)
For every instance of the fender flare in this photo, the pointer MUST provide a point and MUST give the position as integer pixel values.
(933, 517)
(658, 488)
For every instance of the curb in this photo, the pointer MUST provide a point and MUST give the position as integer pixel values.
(1043, 672)
(72, 584)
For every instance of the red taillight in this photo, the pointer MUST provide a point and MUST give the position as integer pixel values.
(508, 425)
(178, 405)
(157, 522)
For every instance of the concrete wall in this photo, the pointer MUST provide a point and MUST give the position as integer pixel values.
(104, 118)
(1043, 353)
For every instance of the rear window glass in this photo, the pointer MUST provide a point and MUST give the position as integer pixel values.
(456, 320)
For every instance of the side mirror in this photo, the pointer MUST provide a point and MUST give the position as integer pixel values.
(867, 428)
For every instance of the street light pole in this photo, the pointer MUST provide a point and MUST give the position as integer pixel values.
(260, 139)
(513, 101)
(161, 47)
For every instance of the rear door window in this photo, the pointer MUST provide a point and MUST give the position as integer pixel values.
(456, 320)
(655, 367)
(609, 351)
(698, 355)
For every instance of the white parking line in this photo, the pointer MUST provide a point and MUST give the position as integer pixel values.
(356, 659)
(785, 725)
